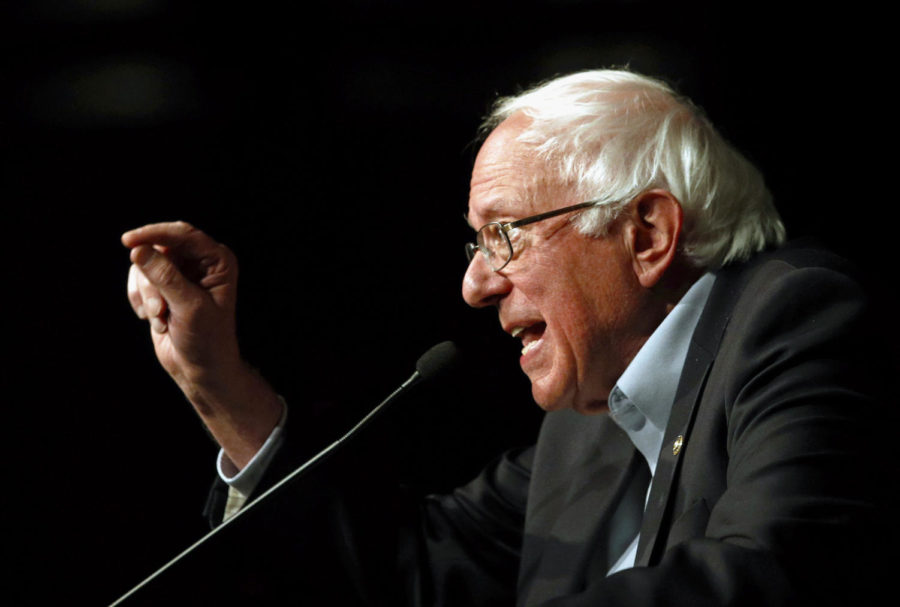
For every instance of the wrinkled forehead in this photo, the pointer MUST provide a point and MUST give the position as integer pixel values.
(509, 179)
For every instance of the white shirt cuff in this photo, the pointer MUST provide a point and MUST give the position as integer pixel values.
(245, 481)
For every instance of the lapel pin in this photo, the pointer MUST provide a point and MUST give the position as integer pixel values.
(676, 448)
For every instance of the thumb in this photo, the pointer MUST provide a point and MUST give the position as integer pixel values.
(164, 275)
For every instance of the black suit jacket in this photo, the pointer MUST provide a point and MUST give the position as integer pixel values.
(776, 495)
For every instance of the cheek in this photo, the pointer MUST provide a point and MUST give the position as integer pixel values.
(577, 336)
(594, 323)
(587, 309)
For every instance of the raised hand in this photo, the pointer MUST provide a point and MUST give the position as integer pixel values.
(185, 284)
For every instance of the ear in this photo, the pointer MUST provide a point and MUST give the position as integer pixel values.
(652, 234)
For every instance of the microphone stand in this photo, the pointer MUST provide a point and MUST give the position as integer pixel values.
(434, 361)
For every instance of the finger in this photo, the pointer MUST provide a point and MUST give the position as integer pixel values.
(152, 232)
(162, 274)
(134, 292)
(171, 235)
(158, 325)
(152, 301)
(154, 304)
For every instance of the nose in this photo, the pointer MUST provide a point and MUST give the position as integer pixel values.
(482, 286)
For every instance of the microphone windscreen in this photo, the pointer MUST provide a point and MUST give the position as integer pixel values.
(438, 359)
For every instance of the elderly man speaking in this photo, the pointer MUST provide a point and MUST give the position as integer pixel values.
(711, 435)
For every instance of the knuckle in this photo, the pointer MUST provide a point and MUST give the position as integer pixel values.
(132, 289)
(150, 293)
(187, 231)
(131, 284)
(141, 281)
(165, 273)
(134, 295)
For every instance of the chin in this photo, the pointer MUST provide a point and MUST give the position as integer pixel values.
(551, 400)
(543, 402)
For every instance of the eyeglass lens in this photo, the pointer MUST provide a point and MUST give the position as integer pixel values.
(493, 240)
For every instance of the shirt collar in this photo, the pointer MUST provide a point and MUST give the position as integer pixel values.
(643, 397)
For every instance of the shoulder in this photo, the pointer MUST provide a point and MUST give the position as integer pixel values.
(797, 320)
(796, 262)
(799, 284)
(794, 318)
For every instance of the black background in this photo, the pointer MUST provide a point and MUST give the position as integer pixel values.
(329, 146)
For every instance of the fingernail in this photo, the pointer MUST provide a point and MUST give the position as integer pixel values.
(153, 306)
(140, 312)
(158, 325)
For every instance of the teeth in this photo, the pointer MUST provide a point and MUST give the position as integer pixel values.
(517, 331)
(531, 346)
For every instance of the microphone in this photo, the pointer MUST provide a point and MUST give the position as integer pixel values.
(435, 362)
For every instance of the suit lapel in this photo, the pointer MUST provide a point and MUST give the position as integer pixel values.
(700, 357)
(676, 438)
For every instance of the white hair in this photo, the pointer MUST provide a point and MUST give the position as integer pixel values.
(612, 134)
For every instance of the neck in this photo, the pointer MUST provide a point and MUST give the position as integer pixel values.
(680, 277)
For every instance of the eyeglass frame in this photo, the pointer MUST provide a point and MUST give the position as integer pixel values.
(505, 227)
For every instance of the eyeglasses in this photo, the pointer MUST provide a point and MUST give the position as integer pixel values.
(493, 240)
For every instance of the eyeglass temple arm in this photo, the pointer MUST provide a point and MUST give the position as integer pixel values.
(534, 218)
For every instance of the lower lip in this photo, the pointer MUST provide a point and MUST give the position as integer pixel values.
(532, 351)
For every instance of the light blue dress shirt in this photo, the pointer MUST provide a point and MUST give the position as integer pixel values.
(642, 399)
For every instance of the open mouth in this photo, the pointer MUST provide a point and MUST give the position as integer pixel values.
(530, 336)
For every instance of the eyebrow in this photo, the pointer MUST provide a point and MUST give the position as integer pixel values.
(498, 208)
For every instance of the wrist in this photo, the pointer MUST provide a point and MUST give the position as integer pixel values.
(238, 407)
(214, 389)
